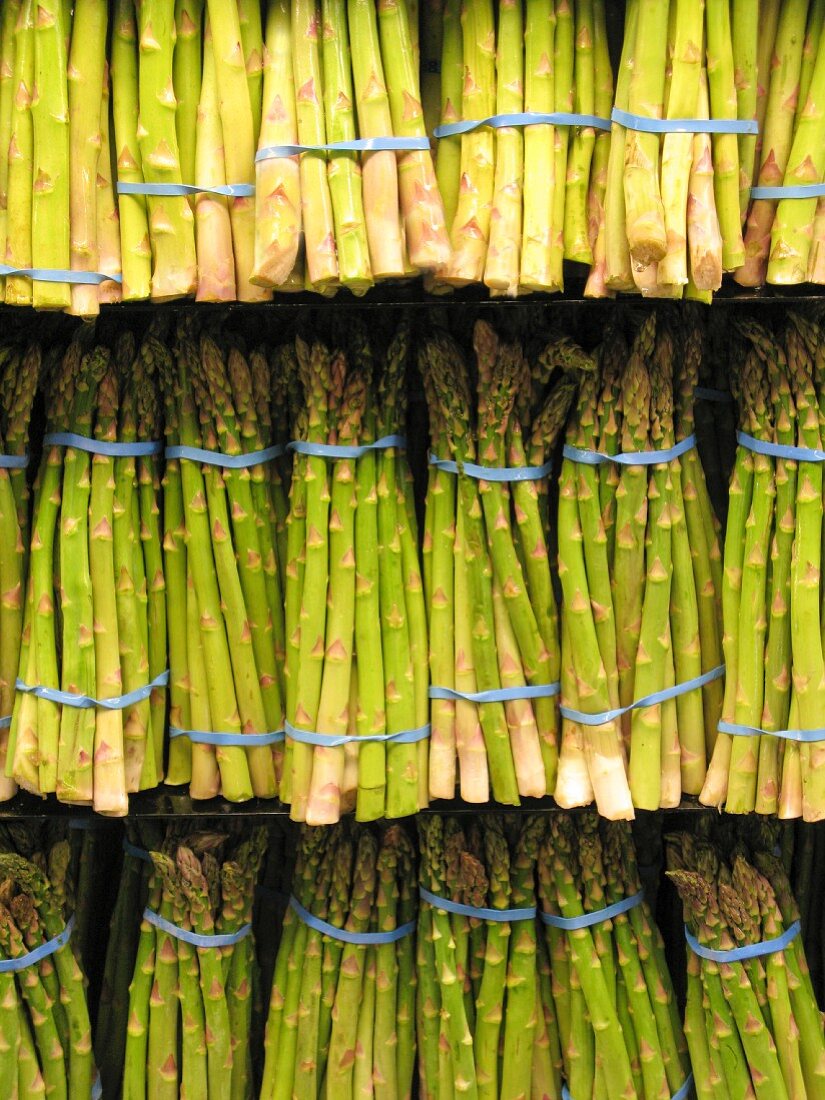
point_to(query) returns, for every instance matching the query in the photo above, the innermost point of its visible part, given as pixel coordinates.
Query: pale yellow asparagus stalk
(745, 16)
(618, 273)
(596, 286)
(539, 146)
(249, 16)
(213, 229)
(564, 80)
(577, 244)
(108, 223)
(723, 105)
(19, 219)
(11, 12)
(85, 77)
(768, 23)
(432, 46)
(448, 153)
(187, 68)
(704, 237)
(379, 170)
(277, 179)
(503, 255)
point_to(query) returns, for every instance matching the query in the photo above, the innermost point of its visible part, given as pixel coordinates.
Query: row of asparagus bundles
(752, 1022)
(770, 753)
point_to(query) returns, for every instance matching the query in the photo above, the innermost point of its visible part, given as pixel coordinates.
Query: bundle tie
(39, 953)
(214, 737)
(630, 458)
(333, 740)
(86, 702)
(500, 916)
(357, 145)
(522, 118)
(218, 458)
(197, 939)
(359, 938)
(14, 462)
(748, 950)
(5, 721)
(684, 125)
(587, 920)
(497, 695)
(59, 275)
(491, 473)
(163, 190)
(790, 191)
(345, 450)
(101, 446)
(779, 450)
(709, 393)
(138, 853)
(652, 700)
(682, 1093)
(803, 737)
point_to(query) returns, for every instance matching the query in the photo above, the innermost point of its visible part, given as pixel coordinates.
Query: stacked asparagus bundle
(493, 618)
(608, 1003)
(751, 1020)
(47, 1041)
(772, 614)
(190, 1003)
(19, 372)
(342, 1013)
(356, 628)
(640, 573)
(95, 552)
(226, 652)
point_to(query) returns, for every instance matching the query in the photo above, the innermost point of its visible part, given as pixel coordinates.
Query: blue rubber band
(5, 721)
(748, 951)
(332, 740)
(197, 939)
(587, 920)
(8, 966)
(497, 695)
(242, 740)
(229, 190)
(803, 737)
(139, 853)
(651, 700)
(684, 125)
(342, 450)
(97, 1088)
(218, 458)
(522, 118)
(682, 1093)
(59, 275)
(86, 702)
(718, 397)
(364, 938)
(14, 462)
(779, 450)
(631, 458)
(790, 191)
(100, 446)
(501, 916)
(358, 145)
(491, 473)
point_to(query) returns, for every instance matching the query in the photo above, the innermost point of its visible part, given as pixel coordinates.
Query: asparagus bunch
(356, 628)
(95, 555)
(493, 618)
(752, 1024)
(342, 1015)
(606, 995)
(772, 594)
(190, 1007)
(640, 573)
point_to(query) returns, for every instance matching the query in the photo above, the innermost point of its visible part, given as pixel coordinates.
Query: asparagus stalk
(18, 233)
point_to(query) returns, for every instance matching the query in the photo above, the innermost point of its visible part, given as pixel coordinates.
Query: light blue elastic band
(42, 952)
(86, 702)
(707, 393)
(342, 450)
(791, 191)
(522, 118)
(59, 275)
(749, 951)
(682, 1093)
(501, 916)
(587, 920)
(365, 938)
(197, 939)
(132, 850)
(100, 446)
(491, 473)
(779, 450)
(651, 700)
(358, 145)
(14, 462)
(332, 741)
(228, 462)
(5, 721)
(243, 740)
(497, 695)
(97, 1088)
(229, 190)
(630, 458)
(684, 125)
(804, 737)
